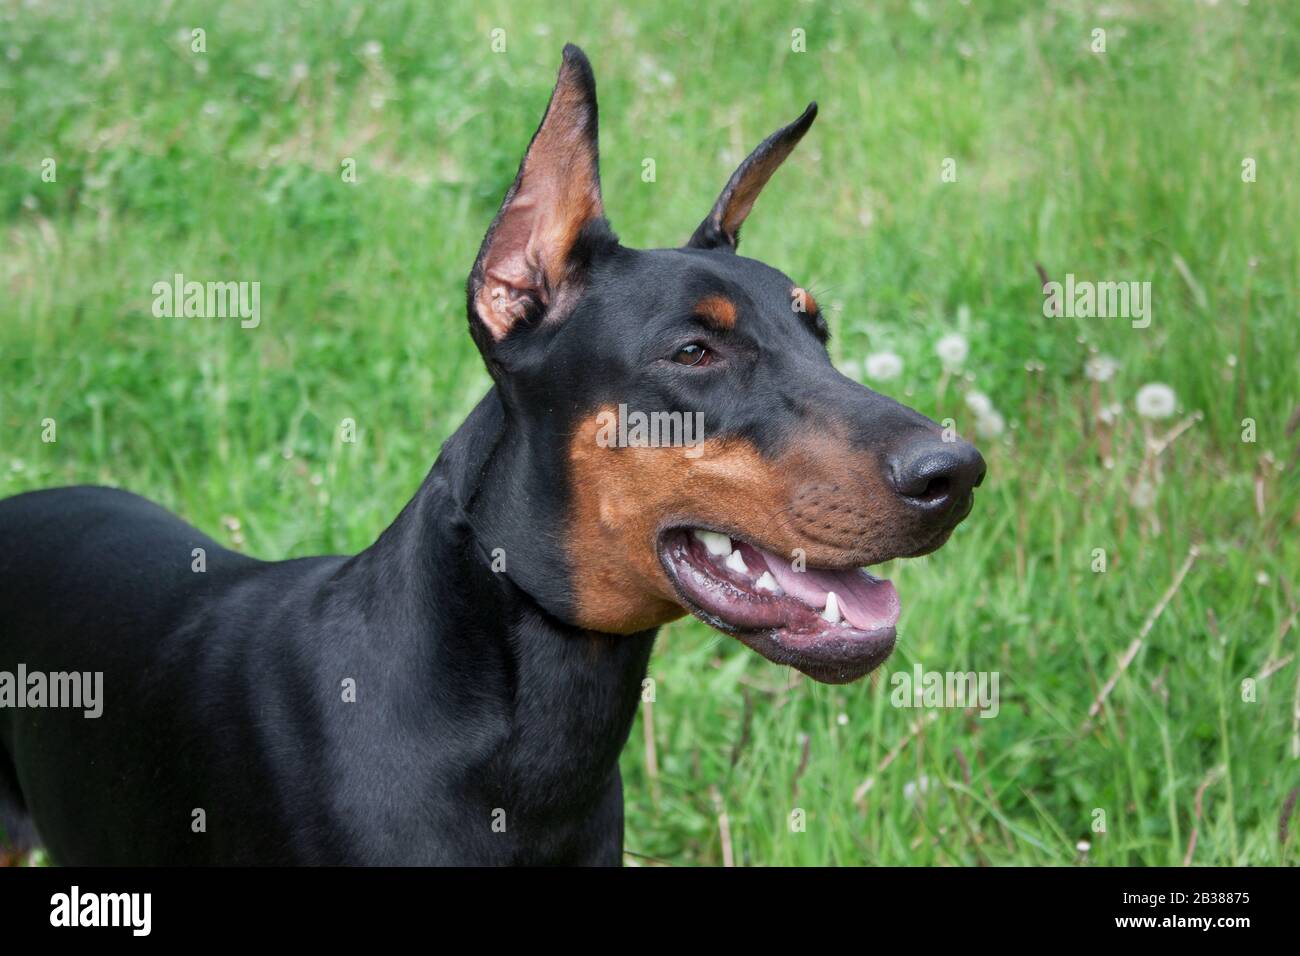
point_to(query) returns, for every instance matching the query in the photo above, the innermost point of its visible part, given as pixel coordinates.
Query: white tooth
(717, 544)
(832, 612)
(766, 582)
(737, 563)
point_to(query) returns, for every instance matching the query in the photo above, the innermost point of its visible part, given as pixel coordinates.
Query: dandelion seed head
(1156, 400)
(952, 350)
(1101, 368)
(883, 366)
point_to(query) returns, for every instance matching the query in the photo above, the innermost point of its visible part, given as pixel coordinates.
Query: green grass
(1114, 166)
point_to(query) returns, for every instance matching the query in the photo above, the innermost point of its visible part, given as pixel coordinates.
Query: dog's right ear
(533, 261)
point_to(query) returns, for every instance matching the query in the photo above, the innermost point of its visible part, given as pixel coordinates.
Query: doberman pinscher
(459, 692)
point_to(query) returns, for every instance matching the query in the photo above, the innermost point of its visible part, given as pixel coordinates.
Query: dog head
(684, 443)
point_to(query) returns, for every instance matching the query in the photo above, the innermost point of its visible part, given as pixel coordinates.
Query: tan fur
(799, 294)
(743, 197)
(817, 495)
(558, 194)
(718, 311)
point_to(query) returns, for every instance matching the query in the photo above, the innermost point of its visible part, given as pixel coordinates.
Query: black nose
(932, 475)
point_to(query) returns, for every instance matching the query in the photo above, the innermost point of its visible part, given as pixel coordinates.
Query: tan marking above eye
(801, 300)
(718, 311)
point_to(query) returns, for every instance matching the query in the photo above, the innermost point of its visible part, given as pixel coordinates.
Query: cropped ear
(533, 259)
(721, 228)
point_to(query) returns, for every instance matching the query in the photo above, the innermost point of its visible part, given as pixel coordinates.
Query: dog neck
(549, 705)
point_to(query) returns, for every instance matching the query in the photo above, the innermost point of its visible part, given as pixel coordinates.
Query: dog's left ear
(533, 259)
(721, 228)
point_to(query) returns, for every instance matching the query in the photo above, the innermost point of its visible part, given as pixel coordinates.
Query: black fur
(223, 691)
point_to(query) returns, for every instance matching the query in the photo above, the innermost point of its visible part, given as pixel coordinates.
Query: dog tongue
(867, 603)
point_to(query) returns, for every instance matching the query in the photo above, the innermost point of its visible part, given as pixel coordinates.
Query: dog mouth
(833, 625)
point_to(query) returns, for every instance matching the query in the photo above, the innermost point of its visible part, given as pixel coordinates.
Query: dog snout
(936, 477)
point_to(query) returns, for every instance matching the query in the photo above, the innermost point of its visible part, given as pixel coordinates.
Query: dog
(459, 692)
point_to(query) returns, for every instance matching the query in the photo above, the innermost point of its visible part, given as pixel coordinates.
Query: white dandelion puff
(1155, 400)
(1101, 368)
(990, 425)
(952, 350)
(1109, 414)
(979, 403)
(883, 366)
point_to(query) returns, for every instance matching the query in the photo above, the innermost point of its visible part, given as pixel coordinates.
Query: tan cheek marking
(718, 310)
(623, 497)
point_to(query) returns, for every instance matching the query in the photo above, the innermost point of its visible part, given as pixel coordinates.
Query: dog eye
(693, 354)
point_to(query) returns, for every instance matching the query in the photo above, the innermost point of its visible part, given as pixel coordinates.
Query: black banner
(336, 904)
